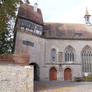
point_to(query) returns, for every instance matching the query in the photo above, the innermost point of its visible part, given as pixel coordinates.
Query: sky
(64, 11)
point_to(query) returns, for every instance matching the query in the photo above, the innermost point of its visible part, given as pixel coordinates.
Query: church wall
(36, 52)
(41, 54)
(45, 70)
(60, 46)
(76, 71)
(39, 50)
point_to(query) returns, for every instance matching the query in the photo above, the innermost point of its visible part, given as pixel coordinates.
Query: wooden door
(53, 74)
(67, 74)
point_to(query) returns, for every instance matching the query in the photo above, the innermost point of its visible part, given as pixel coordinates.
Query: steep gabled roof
(27, 11)
(68, 31)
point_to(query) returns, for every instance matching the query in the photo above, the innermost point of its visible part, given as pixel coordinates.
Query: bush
(88, 78)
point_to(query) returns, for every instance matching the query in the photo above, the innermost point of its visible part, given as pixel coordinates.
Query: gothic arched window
(87, 59)
(69, 54)
(53, 54)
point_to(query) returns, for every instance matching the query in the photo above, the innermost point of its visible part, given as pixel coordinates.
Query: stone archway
(53, 74)
(67, 74)
(36, 71)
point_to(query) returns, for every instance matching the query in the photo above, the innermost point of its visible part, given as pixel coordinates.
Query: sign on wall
(28, 43)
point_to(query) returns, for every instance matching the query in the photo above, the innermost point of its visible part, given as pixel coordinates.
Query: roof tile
(27, 11)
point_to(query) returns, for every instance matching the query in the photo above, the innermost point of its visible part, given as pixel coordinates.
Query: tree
(8, 10)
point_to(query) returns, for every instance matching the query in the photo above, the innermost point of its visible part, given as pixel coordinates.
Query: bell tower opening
(87, 17)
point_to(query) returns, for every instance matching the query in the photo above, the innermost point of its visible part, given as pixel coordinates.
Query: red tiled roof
(27, 12)
(68, 31)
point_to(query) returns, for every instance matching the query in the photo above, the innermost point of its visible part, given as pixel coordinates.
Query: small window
(53, 54)
(22, 24)
(28, 25)
(32, 26)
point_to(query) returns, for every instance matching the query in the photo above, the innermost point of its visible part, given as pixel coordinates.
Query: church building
(58, 51)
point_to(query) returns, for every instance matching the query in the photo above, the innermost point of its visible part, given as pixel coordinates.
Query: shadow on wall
(36, 71)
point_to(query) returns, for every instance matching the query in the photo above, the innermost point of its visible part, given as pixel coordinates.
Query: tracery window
(53, 54)
(69, 54)
(87, 59)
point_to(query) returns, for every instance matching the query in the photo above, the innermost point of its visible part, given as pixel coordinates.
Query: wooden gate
(53, 74)
(68, 74)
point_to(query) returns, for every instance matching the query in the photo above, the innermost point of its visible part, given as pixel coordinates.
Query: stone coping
(14, 59)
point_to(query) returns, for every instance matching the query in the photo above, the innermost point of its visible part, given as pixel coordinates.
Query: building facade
(58, 51)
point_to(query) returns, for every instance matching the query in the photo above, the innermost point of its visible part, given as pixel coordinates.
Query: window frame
(69, 55)
(53, 56)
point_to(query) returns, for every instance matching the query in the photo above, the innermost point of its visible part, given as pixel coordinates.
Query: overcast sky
(64, 11)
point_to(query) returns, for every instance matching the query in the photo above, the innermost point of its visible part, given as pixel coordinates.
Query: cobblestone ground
(63, 87)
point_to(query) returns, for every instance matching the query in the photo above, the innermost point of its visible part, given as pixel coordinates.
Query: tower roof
(27, 11)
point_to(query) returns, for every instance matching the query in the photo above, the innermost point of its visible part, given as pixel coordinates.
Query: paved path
(63, 86)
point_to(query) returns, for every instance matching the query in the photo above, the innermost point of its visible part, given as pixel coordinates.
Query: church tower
(87, 17)
(29, 26)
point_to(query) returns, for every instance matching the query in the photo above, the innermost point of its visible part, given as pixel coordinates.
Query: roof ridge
(63, 23)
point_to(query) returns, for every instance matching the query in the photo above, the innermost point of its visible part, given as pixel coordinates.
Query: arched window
(53, 54)
(69, 54)
(87, 59)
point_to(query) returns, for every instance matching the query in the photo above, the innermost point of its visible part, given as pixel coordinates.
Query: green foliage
(88, 78)
(8, 10)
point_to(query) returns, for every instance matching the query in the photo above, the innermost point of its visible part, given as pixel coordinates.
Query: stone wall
(60, 46)
(36, 52)
(15, 78)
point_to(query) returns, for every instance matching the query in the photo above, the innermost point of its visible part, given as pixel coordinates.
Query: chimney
(35, 7)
